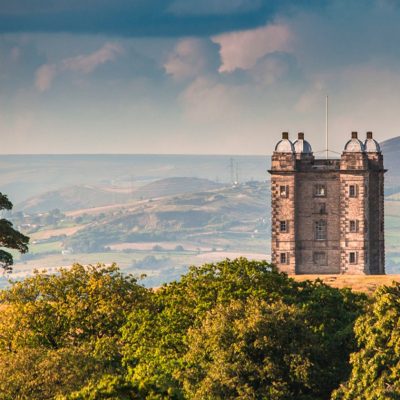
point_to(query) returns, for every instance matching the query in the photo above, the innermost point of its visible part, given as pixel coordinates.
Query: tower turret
(283, 167)
(375, 193)
(303, 148)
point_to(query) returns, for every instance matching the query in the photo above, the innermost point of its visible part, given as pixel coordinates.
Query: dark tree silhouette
(9, 237)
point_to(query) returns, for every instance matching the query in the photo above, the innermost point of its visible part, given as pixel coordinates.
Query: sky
(195, 77)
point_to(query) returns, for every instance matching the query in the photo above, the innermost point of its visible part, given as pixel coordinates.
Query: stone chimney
(301, 136)
(354, 135)
(285, 135)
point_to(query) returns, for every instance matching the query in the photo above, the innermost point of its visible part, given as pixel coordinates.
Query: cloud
(274, 67)
(268, 71)
(85, 64)
(191, 58)
(243, 49)
(208, 100)
(44, 77)
(139, 18)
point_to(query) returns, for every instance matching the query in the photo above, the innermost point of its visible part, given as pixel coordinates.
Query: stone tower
(328, 214)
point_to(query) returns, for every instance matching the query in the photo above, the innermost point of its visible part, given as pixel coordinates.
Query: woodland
(236, 329)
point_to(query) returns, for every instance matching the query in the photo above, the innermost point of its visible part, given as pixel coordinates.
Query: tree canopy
(158, 339)
(376, 366)
(236, 329)
(10, 238)
(58, 331)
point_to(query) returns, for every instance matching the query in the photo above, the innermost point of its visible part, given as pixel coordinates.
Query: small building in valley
(328, 214)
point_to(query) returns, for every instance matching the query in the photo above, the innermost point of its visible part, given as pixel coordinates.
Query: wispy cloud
(87, 63)
(84, 64)
(206, 100)
(242, 49)
(191, 58)
(44, 77)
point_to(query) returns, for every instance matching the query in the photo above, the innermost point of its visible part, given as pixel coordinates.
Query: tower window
(320, 230)
(283, 226)
(353, 226)
(353, 257)
(320, 208)
(284, 258)
(284, 191)
(319, 258)
(353, 190)
(320, 190)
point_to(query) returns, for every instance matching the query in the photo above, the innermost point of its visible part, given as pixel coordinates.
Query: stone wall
(354, 240)
(310, 210)
(283, 209)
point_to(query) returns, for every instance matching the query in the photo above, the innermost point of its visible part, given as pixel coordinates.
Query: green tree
(9, 237)
(156, 339)
(59, 331)
(234, 329)
(376, 366)
(251, 350)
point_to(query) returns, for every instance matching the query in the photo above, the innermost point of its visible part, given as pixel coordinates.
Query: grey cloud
(142, 18)
(84, 63)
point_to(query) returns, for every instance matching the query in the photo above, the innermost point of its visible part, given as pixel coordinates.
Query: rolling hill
(85, 196)
(25, 176)
(207, 216)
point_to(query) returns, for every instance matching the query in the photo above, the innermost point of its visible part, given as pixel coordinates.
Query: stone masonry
(328, 214)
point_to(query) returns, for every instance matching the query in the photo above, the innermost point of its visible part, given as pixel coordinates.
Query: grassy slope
(360, 283)
(197, 218)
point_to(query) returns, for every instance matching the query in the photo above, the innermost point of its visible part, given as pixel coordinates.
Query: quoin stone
(328, 214)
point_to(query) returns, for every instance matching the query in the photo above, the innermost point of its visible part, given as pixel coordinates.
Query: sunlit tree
(376, 366)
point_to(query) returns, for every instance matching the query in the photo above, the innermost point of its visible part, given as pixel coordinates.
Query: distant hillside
(216, 213)
(391, 151)
(71, 198)
(391, 146)
(174, 186)
(25, 176)
(85, 196)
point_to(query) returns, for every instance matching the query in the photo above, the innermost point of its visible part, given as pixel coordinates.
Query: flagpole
(326, 127)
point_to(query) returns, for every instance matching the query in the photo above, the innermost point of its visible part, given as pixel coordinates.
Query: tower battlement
(328, 214)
